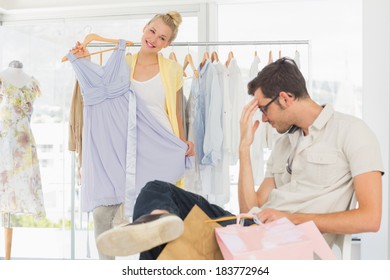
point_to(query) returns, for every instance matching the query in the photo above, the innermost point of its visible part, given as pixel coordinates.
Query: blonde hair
(173, 19)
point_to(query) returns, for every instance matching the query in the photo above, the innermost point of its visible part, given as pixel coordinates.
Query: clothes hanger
(206, 56)
(188, 61)
(214, 56)
(172, 56)
(230, 57)
(95, 37)
(270, 58)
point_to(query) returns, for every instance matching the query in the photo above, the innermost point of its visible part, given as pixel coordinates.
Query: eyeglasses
(264, 108)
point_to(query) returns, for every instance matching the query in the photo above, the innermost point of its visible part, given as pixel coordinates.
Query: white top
(238, 98)
(15, 76)
(151, 92)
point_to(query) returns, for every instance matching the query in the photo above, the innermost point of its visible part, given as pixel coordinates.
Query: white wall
(376, 104)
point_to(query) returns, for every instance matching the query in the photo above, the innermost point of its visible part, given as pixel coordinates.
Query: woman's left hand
(191, 150)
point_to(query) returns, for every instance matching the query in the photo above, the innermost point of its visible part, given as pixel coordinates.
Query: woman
(148, 63)
(157, 81)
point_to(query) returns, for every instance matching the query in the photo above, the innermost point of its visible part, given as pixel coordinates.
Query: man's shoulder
(348, 121)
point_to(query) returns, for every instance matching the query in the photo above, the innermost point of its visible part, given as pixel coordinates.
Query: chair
(344, 241)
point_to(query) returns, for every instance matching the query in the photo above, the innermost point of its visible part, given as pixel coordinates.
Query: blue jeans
(165, 196)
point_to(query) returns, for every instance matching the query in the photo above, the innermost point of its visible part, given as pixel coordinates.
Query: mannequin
(21, 181)
(7, 235)
(15, 75)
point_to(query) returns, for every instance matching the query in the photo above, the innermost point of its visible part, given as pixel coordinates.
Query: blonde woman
(157, 83)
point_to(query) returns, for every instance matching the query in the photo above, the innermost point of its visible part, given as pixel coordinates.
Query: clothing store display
(20, 178)
(206, 111)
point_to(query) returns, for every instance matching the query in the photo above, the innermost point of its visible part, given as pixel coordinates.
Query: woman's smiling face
(156, 36)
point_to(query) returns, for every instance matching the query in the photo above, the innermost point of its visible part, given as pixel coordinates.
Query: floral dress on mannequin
(20, 179)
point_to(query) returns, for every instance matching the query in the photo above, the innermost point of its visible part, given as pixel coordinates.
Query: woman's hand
(80, 51)
(191, 150)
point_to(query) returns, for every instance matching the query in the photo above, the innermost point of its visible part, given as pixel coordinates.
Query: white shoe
(147, 232)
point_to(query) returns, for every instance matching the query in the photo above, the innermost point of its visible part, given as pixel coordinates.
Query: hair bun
(176, 17)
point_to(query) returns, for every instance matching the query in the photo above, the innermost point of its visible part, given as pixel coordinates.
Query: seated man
(322, 158)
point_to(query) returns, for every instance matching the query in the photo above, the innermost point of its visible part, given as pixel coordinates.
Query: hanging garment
(76, 123)
(207, 130)
(238, 98)
(20, 178)
(208, 117)
(105, 92)
(220, 174)
(257, 151)
(254, 68)
(297, 58)
(192, 175)
(124, 146)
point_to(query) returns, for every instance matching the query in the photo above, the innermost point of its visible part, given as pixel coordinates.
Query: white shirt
(238, 96)
(151, 92)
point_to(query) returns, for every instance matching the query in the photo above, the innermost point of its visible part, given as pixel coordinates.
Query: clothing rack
(178, 44)
(217, 43)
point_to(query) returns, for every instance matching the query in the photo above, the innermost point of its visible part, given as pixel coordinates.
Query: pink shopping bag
(280, 239)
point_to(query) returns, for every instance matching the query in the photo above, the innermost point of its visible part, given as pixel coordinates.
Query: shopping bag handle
(239, 218)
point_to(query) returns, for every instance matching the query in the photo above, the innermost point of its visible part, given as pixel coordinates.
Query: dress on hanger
(115, 121)
(20, 178)
(105, 92)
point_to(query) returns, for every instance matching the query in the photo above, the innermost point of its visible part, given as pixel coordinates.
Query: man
(323, 158)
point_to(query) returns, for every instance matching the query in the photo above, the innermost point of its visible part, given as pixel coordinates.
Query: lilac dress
(105, 92)
(124, 146)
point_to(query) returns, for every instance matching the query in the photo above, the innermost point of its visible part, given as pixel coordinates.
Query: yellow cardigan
(172, 78)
